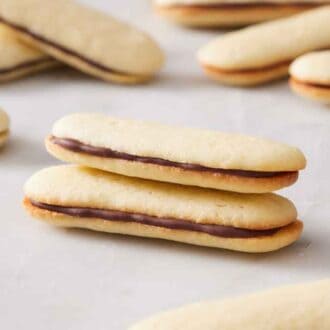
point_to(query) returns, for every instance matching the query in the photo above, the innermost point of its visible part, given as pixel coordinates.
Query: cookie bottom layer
(227, 16)
(174, 174)
(26, 70)
(247, 77)
(3, 138)
(73, 59)
(320, 93)
(283, 237)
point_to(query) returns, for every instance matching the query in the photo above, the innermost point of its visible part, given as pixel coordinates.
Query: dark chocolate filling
(62, 49)
(170, 223)
(25, 65)
(77, 146)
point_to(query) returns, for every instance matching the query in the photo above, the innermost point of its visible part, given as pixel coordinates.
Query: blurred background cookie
(88, 40)
(262, 53)
(302, 306)
(310, 76)
(229, 13)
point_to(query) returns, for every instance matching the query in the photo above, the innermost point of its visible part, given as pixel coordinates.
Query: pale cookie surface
(4, 127)
(249, 49)
(298, 307)
(87, 190)
(312, 68)
(83, 37)
(186, 145)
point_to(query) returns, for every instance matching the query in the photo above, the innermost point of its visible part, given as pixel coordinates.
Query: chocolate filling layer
(77, 146)
(170, 223)
(62, 49)
(26, 65)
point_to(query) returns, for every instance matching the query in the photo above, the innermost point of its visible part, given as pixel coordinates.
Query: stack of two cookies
(107, 190)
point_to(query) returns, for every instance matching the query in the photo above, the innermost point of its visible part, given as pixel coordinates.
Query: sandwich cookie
(296, 307)
(4, 128)
(175, 154)
(17, 59)
(86, 39)
(310, 76)
(73, 196)
(229, 13)
(263, 52)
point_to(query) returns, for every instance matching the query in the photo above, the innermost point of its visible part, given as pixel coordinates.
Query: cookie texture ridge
(244, 57)
(84, 38)
(175, 154)
(275, 309)
(73, 196)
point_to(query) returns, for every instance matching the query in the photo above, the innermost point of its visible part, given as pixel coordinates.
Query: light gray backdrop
(70, 279)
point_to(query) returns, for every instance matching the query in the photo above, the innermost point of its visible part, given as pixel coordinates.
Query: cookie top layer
(84, 187)
(233, 2)
(178, 144)
(13, 52)
(87, 32)
(312, 68)
(269, 43)
(273, 309)
(4, 121)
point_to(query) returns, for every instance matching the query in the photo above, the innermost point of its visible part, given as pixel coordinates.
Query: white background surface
(72, 279)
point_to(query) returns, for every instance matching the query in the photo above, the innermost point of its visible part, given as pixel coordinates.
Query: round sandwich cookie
(295, 307)
(73, 196)
(229, 13)
(84, 38)
(181, 155)
(17, 59)
(4, 128)
(310, 76)
(264, 52)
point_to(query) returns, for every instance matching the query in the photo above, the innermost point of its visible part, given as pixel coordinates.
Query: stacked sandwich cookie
(107, 188)
(84, 38)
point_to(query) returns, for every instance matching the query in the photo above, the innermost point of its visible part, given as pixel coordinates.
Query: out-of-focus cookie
(310, 76)
(73, 196)
(229, 13)
(84, 38)
(181, 155)
(263, 52)
(17, 59)
(4, 127)
(304, 306)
